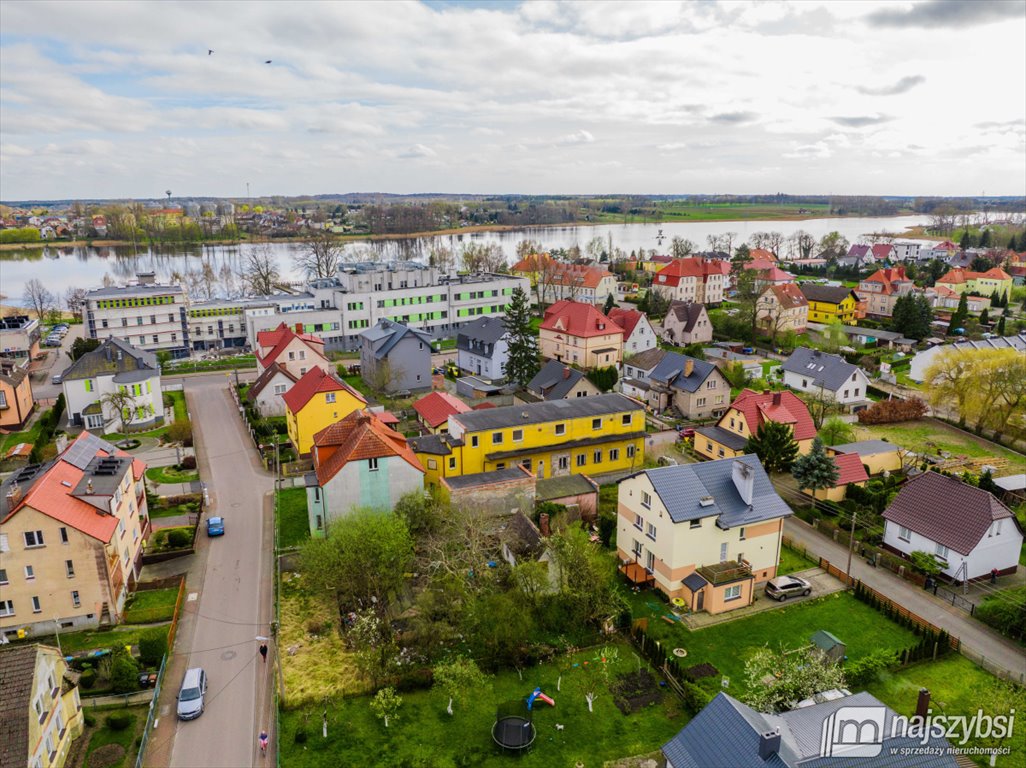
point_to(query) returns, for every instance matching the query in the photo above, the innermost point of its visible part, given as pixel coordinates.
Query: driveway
(228, 599)
(977, 639)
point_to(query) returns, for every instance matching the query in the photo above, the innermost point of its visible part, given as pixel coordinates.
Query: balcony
(727, 571)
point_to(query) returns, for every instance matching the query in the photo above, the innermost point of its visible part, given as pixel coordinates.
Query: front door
(701, 601)
(540, 474)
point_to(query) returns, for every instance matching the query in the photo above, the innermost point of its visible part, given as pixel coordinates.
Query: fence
(154, 703)
(693, 697)
(172, 631)
(998, 671)
(957, 600)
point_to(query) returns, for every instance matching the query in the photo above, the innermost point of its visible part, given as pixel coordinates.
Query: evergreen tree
(774, 444)
(1022, 241)
(966, 241)
(610, 303)
(986, 239)
(995, 300)
(522, 353)
(1001, 326)
(1011, 243)
(984, 317)
(960, 315)
(912, 316)
(815, 470)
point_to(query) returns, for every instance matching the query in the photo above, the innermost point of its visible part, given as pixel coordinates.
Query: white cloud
(580, 136)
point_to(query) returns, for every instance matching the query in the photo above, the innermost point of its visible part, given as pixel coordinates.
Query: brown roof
(17, 672)
(269, 373)
(646, 360)
(11, 374)
(946, 511)
(687, 312)
(789, 295)
(359, 436)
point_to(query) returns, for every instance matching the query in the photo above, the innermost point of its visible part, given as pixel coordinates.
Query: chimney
(744, 480)
(13, 495)
(923, 703)
(543, 524)
(769, 744)
(61, 443)
(776, 398)
(689, 367)
(566, 372)
(89, 485)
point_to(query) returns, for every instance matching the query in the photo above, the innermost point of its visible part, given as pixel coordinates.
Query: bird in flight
(210, 52)
(267, 62)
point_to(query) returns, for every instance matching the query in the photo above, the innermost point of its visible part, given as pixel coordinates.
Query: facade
(266, 393)
(827, 303)
(316, 401)
(19, 337)
(558, 280)
(585, 435)
(909, 250)
(744, 417)
(40, 711)
(557, 381)
(114, 367)
(687, 323)
(707, 533)
(295, 351)
(394, 357)
(573, 332)
(148, 316)
(942, 297)
(692, 279)
(825, 375)
(781, 307)
(71, 534)
(969, 531)
(882, 288)
(982, 283)
(224, 323)
(695, 388)
(434, 409)
(482, 347)
(358, 462)
(637, 330)
(16, 401)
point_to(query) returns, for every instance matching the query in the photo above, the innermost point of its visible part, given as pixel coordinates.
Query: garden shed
(834, 649)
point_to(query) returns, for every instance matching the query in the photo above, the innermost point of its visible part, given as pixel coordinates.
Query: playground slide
(537, 694)
(546, 699)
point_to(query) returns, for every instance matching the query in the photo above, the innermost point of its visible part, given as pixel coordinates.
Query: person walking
(263, 651)
(263, 742)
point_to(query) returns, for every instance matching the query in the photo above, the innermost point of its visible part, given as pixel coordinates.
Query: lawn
(957, 687)
(425, 735)
(150, 606)
(159, 540)
(927, 435)
(769, 366)
(357, 383)
(30, 435)
(727, 646)
(240, 362)
(792, 561)
(185, 508)
(93, 639)
(445, 344)
(181, 409)
(101, 736)
(169, 475)
(292, 521)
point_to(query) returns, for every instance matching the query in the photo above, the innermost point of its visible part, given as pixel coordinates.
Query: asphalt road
(232, 604)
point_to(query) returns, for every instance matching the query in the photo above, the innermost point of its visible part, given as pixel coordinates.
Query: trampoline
(513, 730)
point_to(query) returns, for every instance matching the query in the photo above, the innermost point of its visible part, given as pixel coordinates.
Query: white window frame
(904, 534)
(733, 592)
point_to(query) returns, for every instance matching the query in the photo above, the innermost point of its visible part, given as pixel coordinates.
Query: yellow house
(876, 456)
(15, 396)
(749, 410)
(588, 435)
(828, 303)
(849, 472)
(982, 283)
(40, 712)
(316, 401)
(578, 333)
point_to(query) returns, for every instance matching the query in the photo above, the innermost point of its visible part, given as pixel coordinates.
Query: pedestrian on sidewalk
(263, 651)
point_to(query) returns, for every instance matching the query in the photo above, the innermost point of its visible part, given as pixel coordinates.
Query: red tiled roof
(280, 338)
(627, 319)
(387, 417)
(785, 407)
(483, 406)
(887, 278)
(849, 469)
(561, 273)
(359, 436)
(313, 381)
(692, 266)
(771, 273)
(959, 275)
(576, 319)
(946, 511)
(883, 251)
(533, 262)
(436, 408)
(789, 295)
(761, 254)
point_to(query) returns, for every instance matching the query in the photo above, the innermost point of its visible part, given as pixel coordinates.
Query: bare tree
(208, 279)
(775, 243)
(75, 298)
(121, 403)
(681, 247)
(803, 243)
(108, 281)
(227, 277)
(595, 248)
(527, 248)
(38, 297)
(321, 257)
(477, 257)
(260, 272)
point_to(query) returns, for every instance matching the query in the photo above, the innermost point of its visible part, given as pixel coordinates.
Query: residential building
(707, 533)
(910, 250)
(266, 393)
(943, 251)
(558, 381)
(721, 354)
(695, 388)
(358, 462)
(924, 358)
(762, 254)
(148, 316)
(827, 303)
(884, 252)
(781, 307)
(19, 337)
(882, 288)
(859, 255)
(987, 283)
(394, 357)
(687, 323)
(585, 435)
(40, 710)
(16, 403)
(295, 351)
(434, 409)
(969, 531)
(114, 388)
(504, 494)
(768, 273)
(942, 297)
(730, 734)
(573, 332)
(316, 401)
(71, 534)
(638, 334)
(575, 282)
(876, 456)
(693, 279)
(482, 347)
(826, 376)
(746, 414)
(849, 472)
(637, 371)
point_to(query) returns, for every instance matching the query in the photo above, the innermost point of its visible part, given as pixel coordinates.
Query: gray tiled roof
(563, 486)
(694, 581)
(104, 360)
(553, 410)
(723, 437)
(440, 445)
(486, 329)
(494, 477)
(686, 312)
(670, 371)
(827, 371)
(555, 380)
(386, 334)
(865, 447)
(826, 293)
(17, 673)
(680, 488)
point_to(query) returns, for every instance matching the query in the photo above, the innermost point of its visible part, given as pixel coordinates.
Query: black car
(784, 587)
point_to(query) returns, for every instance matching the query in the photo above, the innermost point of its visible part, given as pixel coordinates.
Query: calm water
(61, 268)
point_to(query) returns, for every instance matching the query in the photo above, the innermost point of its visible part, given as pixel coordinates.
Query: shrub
(88, 679)
(1005, 611)
(180, 432)
(178, 539)
(153, 646)
(120, 721)
(603, 378)
(89, 719)
(300, 736)
(891, 411)
(124, 674)
(861, 671)
(189, 462)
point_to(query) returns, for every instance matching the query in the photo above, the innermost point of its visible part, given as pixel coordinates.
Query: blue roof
(694, 581)
(670, 371)
(386, 334)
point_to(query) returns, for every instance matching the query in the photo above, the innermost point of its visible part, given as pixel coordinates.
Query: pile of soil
(635, 690)
(108, 754)
(699, 671)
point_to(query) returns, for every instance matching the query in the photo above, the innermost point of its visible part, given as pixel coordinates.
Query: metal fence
(154, 704)
(982, 661)
(957, 600)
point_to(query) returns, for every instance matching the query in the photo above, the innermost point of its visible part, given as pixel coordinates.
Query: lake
(63, 267)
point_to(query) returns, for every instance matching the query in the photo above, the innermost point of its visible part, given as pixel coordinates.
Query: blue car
(215, 526)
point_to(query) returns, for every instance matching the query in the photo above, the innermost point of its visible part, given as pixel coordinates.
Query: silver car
(190, 697)
(784, 587)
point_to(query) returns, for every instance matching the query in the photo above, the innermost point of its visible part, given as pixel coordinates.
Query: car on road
(687, 433)
(215, 526)
(190, 697)
(783, 587)
(57, 378)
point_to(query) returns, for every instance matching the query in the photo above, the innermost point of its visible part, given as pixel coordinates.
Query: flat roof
(552, 410)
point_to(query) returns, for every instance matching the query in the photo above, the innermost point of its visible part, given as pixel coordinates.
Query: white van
(190, 697)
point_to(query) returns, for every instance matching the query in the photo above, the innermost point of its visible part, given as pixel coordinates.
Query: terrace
(725, 572)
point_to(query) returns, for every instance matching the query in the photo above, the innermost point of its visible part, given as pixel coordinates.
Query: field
(292, 521)
(151, 605)
(681, 210)
(929, 435)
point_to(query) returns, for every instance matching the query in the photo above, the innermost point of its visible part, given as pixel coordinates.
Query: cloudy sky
(122, 99)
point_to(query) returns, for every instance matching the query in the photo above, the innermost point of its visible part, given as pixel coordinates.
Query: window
(473, 441)
(496, 438)
(33, 539)
(69, 567)
(596, 423)
(732, 592)
(650, 531)
(636, 549)
(156, 338)
(3, 576)
(6, 608)
(904, 533)
(630, 451)
(3, 543)
(701, 402)
(432, 464)
(626, 419)
(597, 457)
(614, 454)
(646, 500)
(76, 601)
(741, 533)
(649, 561)
(563, 462)
(518, 435)
(846, 393)
(857, 391)
(561, 429)
(452, 462)
(942, 551)
(121, 527)
(501, 465)
(36, 607)
(64, 535)
(723, 552)
(30, 573)
(280, 389)
(582, 459)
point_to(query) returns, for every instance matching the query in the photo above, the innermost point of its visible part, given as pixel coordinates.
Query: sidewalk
(976, 638)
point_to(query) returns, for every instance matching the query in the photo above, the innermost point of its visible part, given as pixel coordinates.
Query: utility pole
(851, 548)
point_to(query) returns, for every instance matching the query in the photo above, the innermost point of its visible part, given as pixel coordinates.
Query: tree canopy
(774, 444)
(522, 352)
(912, 316)
(815, 471)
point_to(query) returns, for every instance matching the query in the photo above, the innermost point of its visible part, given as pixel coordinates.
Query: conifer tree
(815, 470)
(961, 314)
(774, 444)
(522, 353)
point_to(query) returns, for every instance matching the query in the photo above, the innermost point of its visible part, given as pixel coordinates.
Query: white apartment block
(148, 316)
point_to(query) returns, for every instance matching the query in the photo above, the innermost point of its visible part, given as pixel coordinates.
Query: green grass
(180, 406)
(357, 383)
(159, 543)
(240, 362)
(728, 645)
(792, 561)
(957, 687)
(102, 736)
(188, 508)
(769, 366)
(30, 435)
(93, 639)
(441, 344)
(425, 735)
(168, 475)
(681, 210)
(927, 436)
(292, 521)
(151, 606)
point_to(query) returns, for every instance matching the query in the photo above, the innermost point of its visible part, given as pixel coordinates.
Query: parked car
(784, 587)
(52, 341)
(190, 697)
(687, 433)
(747, 350)
(56, 378)
(215, 526)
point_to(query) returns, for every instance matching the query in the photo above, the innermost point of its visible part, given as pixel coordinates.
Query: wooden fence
(173, 629)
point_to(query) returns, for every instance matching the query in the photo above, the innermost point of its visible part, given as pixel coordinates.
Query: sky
(129, 99)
